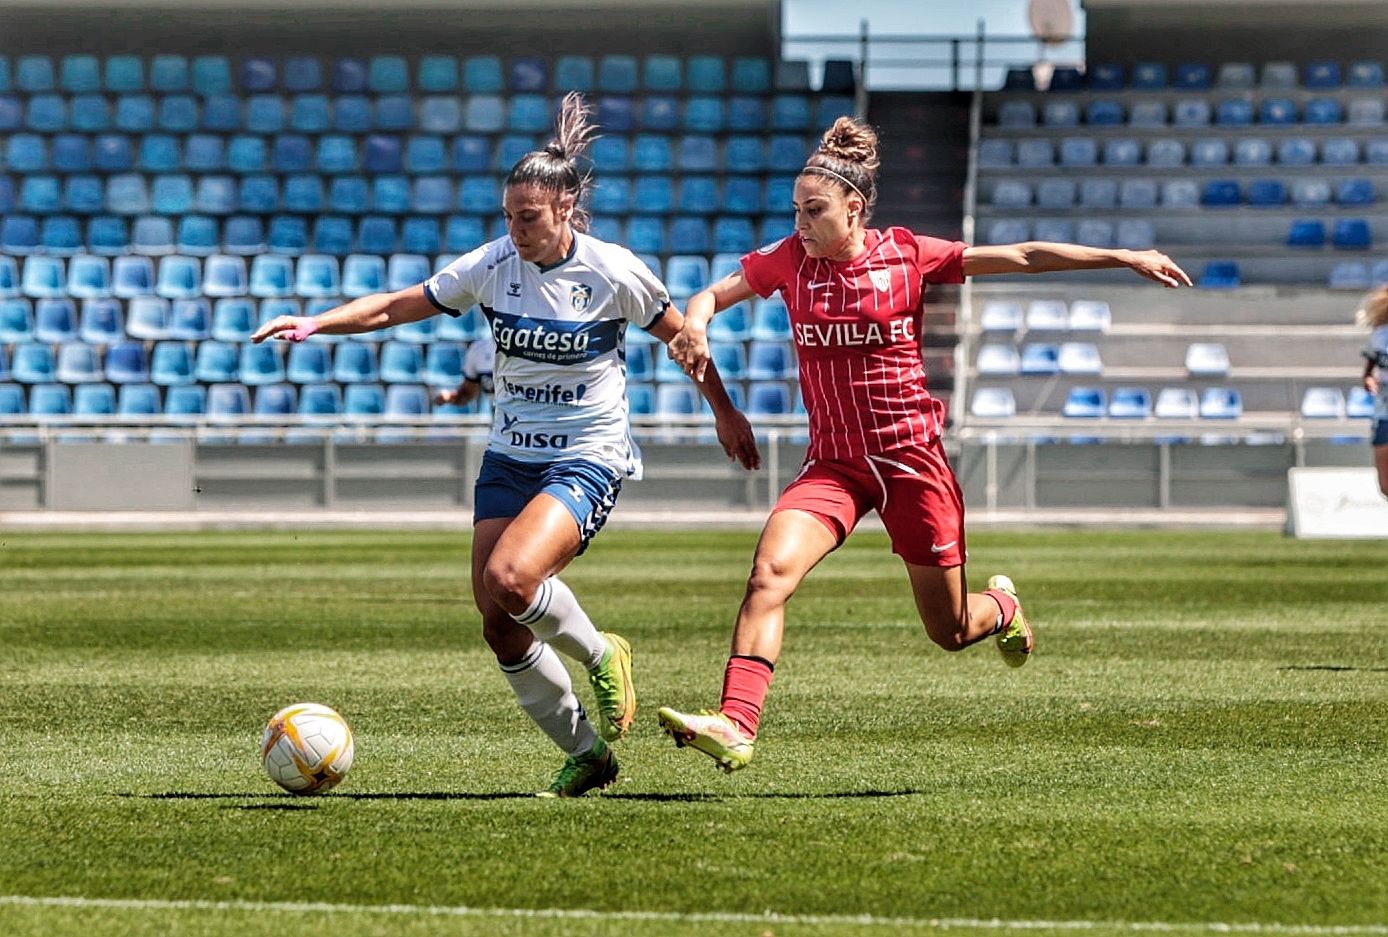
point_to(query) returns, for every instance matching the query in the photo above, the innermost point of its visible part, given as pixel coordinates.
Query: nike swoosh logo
(942, 547)
(819, 286)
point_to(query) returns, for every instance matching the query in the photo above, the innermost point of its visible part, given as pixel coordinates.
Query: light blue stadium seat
(100, 323)
(1355, 191)
(388, 74)
(1095, 232)
(243, 235)
(790, 112)
(1191, 113)
(1306, 232)
(316, 276)
(348, 195)
(404, 400)
(1008, 231)
(16, 321)
(1211, 151)
(640, 399)
(1234, 112)
(770, 361)
(443, 364)
(86, 195)
(992, 153)
(1364, 74)
(363, 274)
(1122, 151)
(1056, 193)
(731, 325)
(171, 364)
(89, 277)
(79, 74)
(698, 195)
(320, 400)
(1040, 358)
(352, 113)
(275, 400)
(1084, 403)
(730, 235)
(71, 153)
(286, 235)
(1221, 403)
(355, 363)
(686, 275)
(221, 113)
(32, 363)
(308, 363)
(420, 236)
(1035, 153)
(1063, 114)
(138, 400)
(1252, 151)
(40, 195)
(178, 113)
(647, 236)
(1136, 234)
(703, 114)
(1323, 403)
(363, 399)
(1323, 111)
(77, 363)
(1339, 151)
(132, 276)
(26, 153)
(233, 320)
(612, 195)
(479, 195)
(190, 319)
(484, 113)
(18, 235)
(640, 361)
(262, 364)
(127, 194)
(49, 400)
(993, 403)
(462, 233)
(179, 277)
(183, 401)
(1054, 229)
(1147, 114)
(1359, 405)
(215, 195)
(1350, 275)
(406, 270)
(1098, 193)
(676, 400)
(482, 74)
(44, 277)
(228, 400)
(1311, 193)
(1207, 359)
(333, 235)
(998, 359)
(34, 73)
(272, 276)
(769, 398)
(46, 113)
(9, 279)
(126, 363)
(247, 154)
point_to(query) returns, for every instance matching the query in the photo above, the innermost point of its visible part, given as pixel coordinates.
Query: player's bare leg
(955, 618)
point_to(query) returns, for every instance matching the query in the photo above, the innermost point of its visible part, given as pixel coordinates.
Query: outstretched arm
(367, 314)
(1051, 257)
(734, 432)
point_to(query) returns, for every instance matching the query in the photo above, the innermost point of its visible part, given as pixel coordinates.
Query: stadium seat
(171, 364)
(686, 275)
(1219, 193)
(1209, 152)
(1130, 403)
(993, 403)
(1147, 114)
(1350, 275)
(1221, 403)
(1040, 358)
(320, 400)
(1306, 232)
(355, 363)
(181, 401)
(731, 325)
(1084, 403)
(78, 362)
(1266, 193)
(260, 364)
(1207, 359)
(89, 277)
(138, 400)
(215, 362)
(271, 275)
(16, 321)
(1177, 403)
(1079, 358)
(996, 359)
(126, 363)
(1122, 151)
(1310, 193)
(1359, 404)
(1323, 403)
(44, 277)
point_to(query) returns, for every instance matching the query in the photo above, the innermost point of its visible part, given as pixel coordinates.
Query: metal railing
(928, 62)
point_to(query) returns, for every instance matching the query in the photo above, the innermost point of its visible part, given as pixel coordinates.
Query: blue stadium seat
(276, 400)
(1192, 76)
(333, 235)
(100, 323)
(89, 113)
(247, 154)
(394, 112)
(171, 364)
(612, 195)
(431, 195)
(698, 195)
(216, 362)
(750, 75)
(479, 195)
(221, 113)
(744, 154)
(27, 152)
(1267, 193)
(190, 319)
(1220, 403)
(770, 321)
(16, 321)
(1350, 275)
(233, 320)
(183, 401)
(420, 236)
(1016, 115)
(1366, 112)
(647, 236)
(320, 399)
(686, 275)
(363, 399)
(1084, 403)
(673, 400)
(659, 113)
(462, 233)
(425, 154)
(352, 114)
(1130, 403)
(652, 153)
(215, 195)
(316, 276)
(89, 277)
(348, 75)
(1220, 193)
(363, 274)
(401, 363)
(134, 113)
(388, 74)
(482, 74)
(1321, 75)
(178, 113)
(610, 154)
(573, 73)
(703, 114)
(348, 195)
(769, 361)
(9, 279)
(1098, 193)
(34, 73)
(1322, 111)
(126, 363)
(272, 276)
(258, 365)
(355, 363)
(18, 234)
(46, 113)
(49, 400)
(79, 74)
(32, 363)
(1352, 234)
(40, 195)
(138, 400)
(790, 112)
(437, 74)
(1306, 232)
(1149, 76)
(662, 73)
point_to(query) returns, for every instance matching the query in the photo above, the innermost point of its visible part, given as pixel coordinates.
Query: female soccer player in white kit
(1375, 380)
(559, 303)
(854, 294)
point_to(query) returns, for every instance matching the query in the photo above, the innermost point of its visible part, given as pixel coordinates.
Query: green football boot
(583, 773)
(1015, 642)
(710, 732)
(614, 689)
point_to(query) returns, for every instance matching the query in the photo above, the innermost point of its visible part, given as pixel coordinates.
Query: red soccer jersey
(857, 336)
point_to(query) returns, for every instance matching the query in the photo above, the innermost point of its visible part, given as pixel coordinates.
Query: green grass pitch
(1201, 741)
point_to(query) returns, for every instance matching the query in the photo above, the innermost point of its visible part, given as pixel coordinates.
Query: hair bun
(852, 141)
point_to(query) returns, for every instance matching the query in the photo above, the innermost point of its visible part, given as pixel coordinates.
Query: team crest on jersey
(580, 296)
(882, 279)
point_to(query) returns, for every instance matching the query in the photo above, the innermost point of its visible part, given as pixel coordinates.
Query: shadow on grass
(1334, 668)
(295, 802)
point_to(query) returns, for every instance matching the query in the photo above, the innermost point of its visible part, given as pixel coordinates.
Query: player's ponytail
(847, 156)
(555, 168)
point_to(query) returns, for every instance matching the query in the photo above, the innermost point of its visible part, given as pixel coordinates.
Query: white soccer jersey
(479, 362)
(1377, 352)
(560, 333)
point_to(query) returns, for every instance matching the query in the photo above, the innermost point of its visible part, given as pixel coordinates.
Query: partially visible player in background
(478, 362)
(1374, 313)
(854, 295)
(558, 302)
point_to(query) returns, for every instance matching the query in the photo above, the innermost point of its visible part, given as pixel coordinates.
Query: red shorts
(913, 490)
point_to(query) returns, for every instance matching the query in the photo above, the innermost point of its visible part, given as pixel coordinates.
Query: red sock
(745, 682)
(1007, 605)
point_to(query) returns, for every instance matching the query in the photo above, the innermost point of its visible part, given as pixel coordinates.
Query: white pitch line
(713, 917)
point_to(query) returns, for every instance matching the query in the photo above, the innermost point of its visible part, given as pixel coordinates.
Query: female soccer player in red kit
(854, 295)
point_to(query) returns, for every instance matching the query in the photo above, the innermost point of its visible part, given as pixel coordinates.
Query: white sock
(556, 618)
(543, 689)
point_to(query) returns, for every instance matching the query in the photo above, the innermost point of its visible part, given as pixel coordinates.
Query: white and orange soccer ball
(307, 748)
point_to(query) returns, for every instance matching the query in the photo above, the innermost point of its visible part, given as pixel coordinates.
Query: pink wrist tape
(304, 326)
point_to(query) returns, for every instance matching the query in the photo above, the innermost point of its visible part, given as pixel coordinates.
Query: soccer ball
(306, 748)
